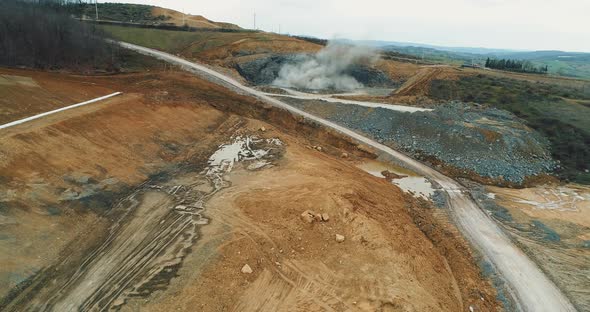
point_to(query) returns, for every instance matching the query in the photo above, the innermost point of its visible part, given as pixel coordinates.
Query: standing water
(409, 182)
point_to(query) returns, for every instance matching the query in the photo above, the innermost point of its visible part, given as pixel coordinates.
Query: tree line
(41, 34)
(515, 66)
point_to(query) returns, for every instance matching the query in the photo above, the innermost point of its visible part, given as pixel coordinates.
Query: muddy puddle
(409, 181)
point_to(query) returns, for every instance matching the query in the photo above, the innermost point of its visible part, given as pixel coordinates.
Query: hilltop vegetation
(515, 66)
(122, 12)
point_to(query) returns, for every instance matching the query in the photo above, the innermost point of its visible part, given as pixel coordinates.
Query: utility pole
(254, 20)
(279, 29)
(96, 8)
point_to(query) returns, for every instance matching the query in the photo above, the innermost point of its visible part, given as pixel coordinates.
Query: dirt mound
(197, 21)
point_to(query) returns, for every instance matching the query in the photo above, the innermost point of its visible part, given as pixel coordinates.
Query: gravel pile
(490, 142)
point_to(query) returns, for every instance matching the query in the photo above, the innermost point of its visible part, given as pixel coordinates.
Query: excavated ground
(107, 206)
(552, 224)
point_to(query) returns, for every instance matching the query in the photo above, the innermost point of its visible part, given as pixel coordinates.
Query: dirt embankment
(25, 93)
(74, 168)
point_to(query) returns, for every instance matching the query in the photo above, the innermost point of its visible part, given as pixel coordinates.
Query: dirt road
(532, 290)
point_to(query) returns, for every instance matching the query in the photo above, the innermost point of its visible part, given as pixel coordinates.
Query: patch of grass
(553, 110)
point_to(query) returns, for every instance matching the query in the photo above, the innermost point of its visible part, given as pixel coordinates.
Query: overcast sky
(511, 24)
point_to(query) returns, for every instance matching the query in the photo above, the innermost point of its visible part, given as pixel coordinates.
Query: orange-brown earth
(62, 176)
(385, 263)
(197, 21)
(25, 93)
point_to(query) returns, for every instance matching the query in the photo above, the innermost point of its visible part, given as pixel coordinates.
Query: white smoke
(326, 69)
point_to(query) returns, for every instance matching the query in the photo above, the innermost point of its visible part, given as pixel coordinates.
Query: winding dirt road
(531, 288)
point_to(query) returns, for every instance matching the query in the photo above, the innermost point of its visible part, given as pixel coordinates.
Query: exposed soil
(197, 21)
(299, 266)
(25, 93)
(552, 224)
(82, 167)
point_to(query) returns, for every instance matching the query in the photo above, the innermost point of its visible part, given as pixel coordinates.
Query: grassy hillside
(560, 113)
(178, 41)
(210, 44)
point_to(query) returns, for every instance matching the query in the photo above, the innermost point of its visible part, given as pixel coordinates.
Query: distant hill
(381, 43)
(144, 14)
(569, 64)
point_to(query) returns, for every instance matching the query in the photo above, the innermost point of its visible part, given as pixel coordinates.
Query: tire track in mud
(155, 229)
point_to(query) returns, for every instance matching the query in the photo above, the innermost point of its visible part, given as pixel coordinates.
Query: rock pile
(492, 143)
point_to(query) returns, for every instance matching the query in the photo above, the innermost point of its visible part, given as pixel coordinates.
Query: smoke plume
(326, 69)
